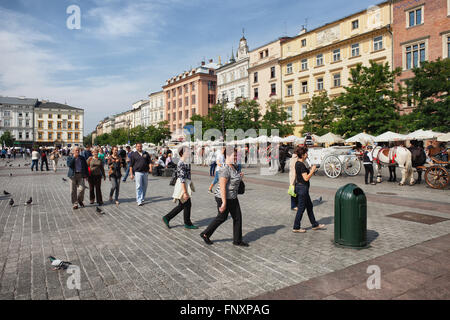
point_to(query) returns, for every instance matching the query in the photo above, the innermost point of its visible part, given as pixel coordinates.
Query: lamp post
(128, 131)
(224, 99)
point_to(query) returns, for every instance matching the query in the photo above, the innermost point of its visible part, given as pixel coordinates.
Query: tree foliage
(321, 113)
(430, 89)
(7, 139)
(152, 134)
(370, 103)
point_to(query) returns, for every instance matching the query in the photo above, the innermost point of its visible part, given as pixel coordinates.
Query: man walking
(44, 159)
(140, 165)
(35, 160)
(87, 153)
(78, 172)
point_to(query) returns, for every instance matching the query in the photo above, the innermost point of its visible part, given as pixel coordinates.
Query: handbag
(291, 191)
(241, 189)
(174, 178)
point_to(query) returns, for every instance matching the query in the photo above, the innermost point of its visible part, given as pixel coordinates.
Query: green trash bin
(350, 217)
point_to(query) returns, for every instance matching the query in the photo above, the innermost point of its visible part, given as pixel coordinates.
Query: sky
(127, 49)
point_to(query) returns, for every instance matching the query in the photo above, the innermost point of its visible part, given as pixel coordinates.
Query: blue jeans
(212, 168)
(141, 186)
(304, 202)
(127, 172)
(34, 163)
(216, 178)
(294, 202)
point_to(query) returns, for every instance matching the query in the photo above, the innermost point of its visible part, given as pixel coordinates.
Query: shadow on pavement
(261, 232)
(371, 236)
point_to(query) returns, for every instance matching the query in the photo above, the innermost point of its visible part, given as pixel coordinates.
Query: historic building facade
(232, 78)
(421, 33)
(154, 112)
(191, 92)
(58, 124)
(321, 59)
(265, 73)
(17, 117)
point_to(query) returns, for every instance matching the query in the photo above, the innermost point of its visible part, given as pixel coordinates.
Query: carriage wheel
(332, 167)
(437, 177)
(352, 166)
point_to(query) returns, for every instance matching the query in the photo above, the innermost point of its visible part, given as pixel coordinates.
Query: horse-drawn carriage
(334, 160)
(437, 174)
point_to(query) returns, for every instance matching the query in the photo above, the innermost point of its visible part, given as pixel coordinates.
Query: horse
(399, 155)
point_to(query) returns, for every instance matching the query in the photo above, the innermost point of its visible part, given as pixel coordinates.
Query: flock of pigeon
(11, 201)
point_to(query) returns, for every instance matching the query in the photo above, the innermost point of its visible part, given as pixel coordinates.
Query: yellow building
(321, 59)
(58, 124)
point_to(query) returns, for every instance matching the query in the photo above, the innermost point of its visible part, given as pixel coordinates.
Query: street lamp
(224, 99)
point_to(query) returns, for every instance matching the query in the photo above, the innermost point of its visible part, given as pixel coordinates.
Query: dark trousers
(44, 160)
(392, 174)
(180, 207)
(234, 209)
(369, 170)
(95, 183)
(282, 165)
(212, 168)
(294, 202)
(35, 163)
(115, 187)
(304, 202)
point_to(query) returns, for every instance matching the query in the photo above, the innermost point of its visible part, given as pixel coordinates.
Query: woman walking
(96, 173)
(303, 175)
(182, 191)
(227, 201)
(115, 162)
(54, 157)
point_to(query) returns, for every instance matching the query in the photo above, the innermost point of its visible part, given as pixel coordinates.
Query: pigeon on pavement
(29, 201)
(59, 264)
(6, 193)
(64, 180)
(11, 202)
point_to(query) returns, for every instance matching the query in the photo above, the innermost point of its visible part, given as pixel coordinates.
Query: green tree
(87, 140)
(430, 89)
(321, 113)
(276, 118)
(7, 139)
(370, 102)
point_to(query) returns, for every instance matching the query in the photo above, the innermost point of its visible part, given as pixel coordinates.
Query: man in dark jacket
(284, 153)
(44, 159)
(78, 172)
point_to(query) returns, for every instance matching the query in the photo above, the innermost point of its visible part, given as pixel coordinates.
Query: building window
(273, 89)
(355, 24)
(415, 54)
(289, 68)
(20, 113)
(337, 80)
(448, 44)
(255, 93)
(304, 108)
(243, 92)
(20, 134)
(211, 85)
(193, 99)
(336, 55)
(180, 90)
(255, 77)
(305, 64)
(59, 116)
(174, 104)
(319, 60)
(69, 136)
(50, 125)
(232, 95)
(303, 42)
(378, 43)
(50, 116)
(355, 50)
(69, 116)
(186, 101)
(289, 113)
(27, 135)
(304, 86)
(40, 135)
(168, 105)
(40, 116)
(58, 136)
(168, 117)
(69, 125)
(27, 123)
(76, 125)
(180, 102)
(320, 84)
(267, 52)
(185, 88)
(180, 115)
(50, 136)
(168, 94)
(261, 54)
(272, 72)
(289, 90)
(415, 17)
(77, 117)
(211, 99)
(161, 115)
(59, 125)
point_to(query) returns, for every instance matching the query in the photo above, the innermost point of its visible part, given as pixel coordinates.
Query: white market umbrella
(390, 136)
(290, 139)
(362, 138)
(423, 135)
(330, 138)
(444, 137)
(275, 139)
(262, 139)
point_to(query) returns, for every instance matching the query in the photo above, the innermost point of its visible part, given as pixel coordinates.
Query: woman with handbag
(96, 173)
(303, 175)
(294, 199)
(230, 181)
(115, 162)
(54, 157)
(182, 191)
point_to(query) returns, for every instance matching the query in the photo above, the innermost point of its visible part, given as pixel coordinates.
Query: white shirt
(35, 155)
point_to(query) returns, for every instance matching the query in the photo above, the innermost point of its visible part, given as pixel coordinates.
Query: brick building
(421, 33)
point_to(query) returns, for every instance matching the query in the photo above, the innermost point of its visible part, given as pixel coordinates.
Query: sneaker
(81, 204)
(373, 183)
(241, 244)
(210, 192)
(319, 227)
(298, 230)
(187, 226)
(294, 209)
(166, 222)
(140, 204)
(117, 202)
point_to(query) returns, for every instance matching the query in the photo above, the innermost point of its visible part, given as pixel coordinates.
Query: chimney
(302, 31)
(203, 63)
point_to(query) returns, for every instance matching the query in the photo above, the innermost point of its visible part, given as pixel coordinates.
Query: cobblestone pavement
(128, 253)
